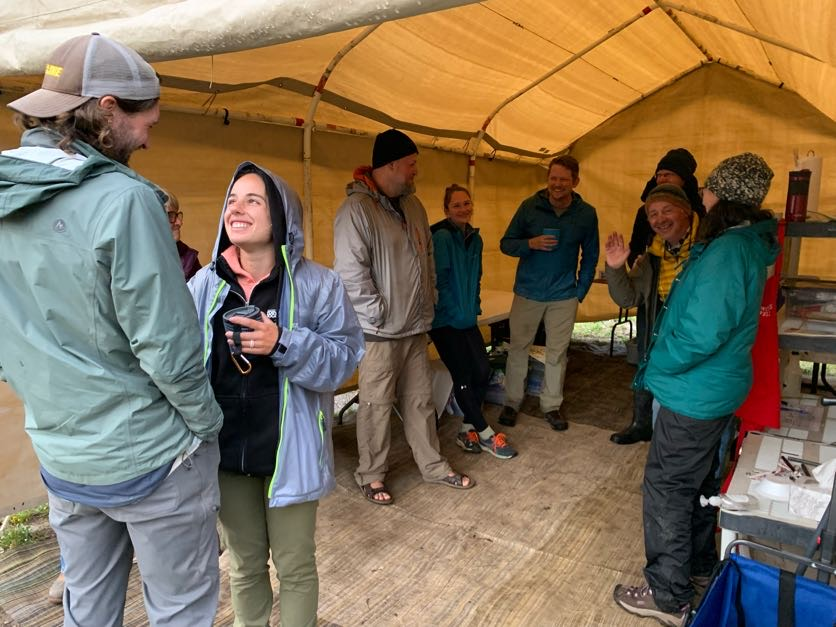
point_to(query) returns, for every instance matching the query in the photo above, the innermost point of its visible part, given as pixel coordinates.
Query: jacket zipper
(285, 386)
(321, 422)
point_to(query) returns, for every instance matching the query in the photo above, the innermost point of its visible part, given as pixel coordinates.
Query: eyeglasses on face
(173, 216)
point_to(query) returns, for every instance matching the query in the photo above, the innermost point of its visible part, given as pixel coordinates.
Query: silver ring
(252, 343)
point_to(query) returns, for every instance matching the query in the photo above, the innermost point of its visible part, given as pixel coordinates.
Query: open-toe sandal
(456, 481)
(369, 492)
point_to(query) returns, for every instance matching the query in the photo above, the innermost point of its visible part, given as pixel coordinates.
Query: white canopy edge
(180, 30)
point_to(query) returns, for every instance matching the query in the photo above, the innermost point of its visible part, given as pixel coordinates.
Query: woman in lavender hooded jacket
(274, 380)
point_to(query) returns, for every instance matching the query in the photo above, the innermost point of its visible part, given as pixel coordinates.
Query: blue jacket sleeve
(719, 287)
(515, 241)
(322, 353)
(589, 258)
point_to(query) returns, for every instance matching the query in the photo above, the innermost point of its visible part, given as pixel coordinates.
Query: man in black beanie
(383, 252)
(677, 168)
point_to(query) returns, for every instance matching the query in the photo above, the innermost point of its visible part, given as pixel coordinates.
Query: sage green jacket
(100, 335)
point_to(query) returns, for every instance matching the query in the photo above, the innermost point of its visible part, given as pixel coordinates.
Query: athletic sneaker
(498, 446)
(469, 441)
(639, 600)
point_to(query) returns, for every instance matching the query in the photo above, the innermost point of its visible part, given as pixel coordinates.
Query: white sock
(487, 433)
(466, 427)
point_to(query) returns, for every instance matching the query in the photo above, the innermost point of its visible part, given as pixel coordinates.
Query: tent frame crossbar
(568, 61)
(707, 17)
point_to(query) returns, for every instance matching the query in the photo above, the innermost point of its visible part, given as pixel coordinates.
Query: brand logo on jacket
(271, 313)
(59, 226)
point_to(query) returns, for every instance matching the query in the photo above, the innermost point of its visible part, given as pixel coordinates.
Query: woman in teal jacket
(457, 249)
(699, 368)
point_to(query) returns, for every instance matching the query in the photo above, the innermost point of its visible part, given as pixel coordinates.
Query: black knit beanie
(679, 161)
(390, 146)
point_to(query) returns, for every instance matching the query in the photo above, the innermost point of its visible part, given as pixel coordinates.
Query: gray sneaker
(639, 600)
(469, 441)
(498, 446)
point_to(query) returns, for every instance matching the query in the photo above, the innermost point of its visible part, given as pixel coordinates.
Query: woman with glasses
(280, 335)
(188, 256)
(457, 248)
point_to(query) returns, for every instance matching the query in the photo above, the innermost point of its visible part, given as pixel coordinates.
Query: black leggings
(463, 352)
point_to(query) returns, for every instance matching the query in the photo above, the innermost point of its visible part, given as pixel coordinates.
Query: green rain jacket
(100, 336)
(699, 361)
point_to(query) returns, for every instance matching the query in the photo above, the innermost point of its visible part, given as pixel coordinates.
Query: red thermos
(797, 191)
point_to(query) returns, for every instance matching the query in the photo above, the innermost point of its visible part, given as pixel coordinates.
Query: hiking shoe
(555, 420)
(55, 595)
(498, 446)
(468, 441)
(639, 600)
(508, 417)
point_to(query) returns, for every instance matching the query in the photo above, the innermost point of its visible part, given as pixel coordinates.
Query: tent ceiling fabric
(445, 74)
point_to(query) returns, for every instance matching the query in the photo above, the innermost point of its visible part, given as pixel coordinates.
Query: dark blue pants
(463, 352)
(678, 532)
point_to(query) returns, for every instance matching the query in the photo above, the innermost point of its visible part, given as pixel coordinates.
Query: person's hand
(542, 242)
(616, 250)
(261, 338)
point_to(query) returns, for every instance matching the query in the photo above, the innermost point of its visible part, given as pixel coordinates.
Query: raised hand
(616, 250)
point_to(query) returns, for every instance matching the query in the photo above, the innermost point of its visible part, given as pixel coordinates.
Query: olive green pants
(252, 533)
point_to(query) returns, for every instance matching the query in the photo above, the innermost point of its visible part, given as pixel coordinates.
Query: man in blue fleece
(550, 230)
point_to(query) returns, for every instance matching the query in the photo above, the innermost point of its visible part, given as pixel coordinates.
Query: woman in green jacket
(457, 249)
(699, 369)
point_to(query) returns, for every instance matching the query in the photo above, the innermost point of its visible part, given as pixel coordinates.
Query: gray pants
(172, 531)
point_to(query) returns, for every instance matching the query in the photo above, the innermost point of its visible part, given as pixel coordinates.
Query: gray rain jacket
(320, 346)
(386, 262)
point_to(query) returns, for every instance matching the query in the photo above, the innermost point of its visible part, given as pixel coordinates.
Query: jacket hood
(285, 213)
(363, 183)
(25, 182)
(766, 232)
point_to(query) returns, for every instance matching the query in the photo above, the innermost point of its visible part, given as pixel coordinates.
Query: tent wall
(714, 112)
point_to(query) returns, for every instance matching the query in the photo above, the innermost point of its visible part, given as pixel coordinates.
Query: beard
(121, 149)
(122, 143)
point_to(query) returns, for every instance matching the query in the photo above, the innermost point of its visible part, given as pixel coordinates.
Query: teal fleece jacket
(699, 361)
(100, 336)
(458, 272)
(547, 276)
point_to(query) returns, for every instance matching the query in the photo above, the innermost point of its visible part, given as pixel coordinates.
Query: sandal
(456, 481)
(369, 492)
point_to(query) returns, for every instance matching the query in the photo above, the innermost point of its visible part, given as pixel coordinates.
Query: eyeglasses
(173, 216)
